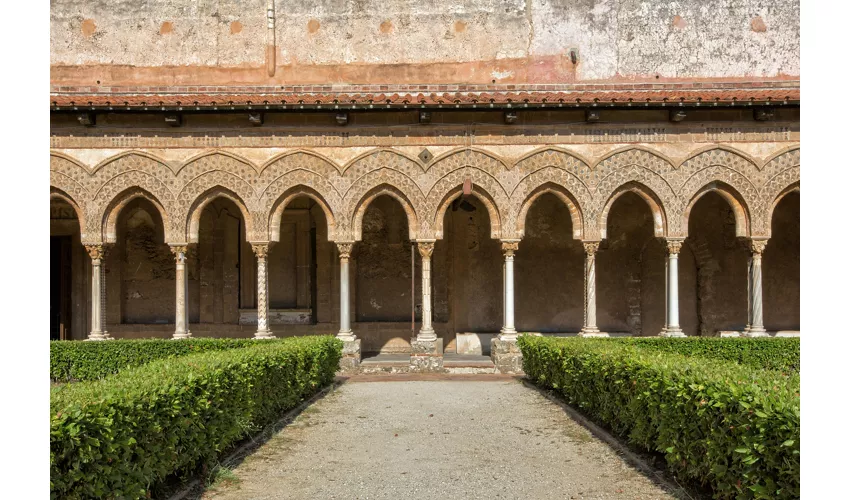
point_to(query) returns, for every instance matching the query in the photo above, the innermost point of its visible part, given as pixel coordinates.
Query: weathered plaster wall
(414, 41)
(781, 264)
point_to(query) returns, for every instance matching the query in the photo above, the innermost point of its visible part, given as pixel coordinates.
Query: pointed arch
(283, 163)
(232, 158)
(382, 158)
(561, 193)
(120, 201)
(739, 206)
(634, 155)
(474, 157)
(719, 150)
(483, 196)
(794, 187)
(196, 209)
(131, 153)
(59, 194)
(550, 156)
(380, 190)
(290, 194)
(659, 215)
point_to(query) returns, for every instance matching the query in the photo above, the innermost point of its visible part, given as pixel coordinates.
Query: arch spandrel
(546, 187)
(787, 181)
(284, 163)
(713, 158)
(550, 161)
(627, 157)
(226, 167)
(736, 188)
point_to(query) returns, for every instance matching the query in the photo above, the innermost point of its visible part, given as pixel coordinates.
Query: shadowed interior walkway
(436, 439)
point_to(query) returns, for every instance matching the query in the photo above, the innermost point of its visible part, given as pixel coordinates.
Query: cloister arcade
(387, 248)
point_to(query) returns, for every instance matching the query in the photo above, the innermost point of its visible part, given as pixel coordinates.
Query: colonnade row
(510, 249)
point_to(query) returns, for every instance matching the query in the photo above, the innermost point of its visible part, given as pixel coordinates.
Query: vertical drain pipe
(270, 41)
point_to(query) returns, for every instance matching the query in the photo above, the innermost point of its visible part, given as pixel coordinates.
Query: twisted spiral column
(590, 249)
(261, 250)
(756, 327)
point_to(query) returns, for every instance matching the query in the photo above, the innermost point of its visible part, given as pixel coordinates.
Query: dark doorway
(60, 287)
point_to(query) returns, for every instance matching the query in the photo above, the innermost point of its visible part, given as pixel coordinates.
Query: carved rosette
(426, 248)
(674, 247)
(509, 248)
(345, 250)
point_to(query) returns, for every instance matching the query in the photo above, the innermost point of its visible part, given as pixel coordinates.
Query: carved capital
(510, 247)
(757, 246)
(345, 250)
(674, 247)
(96, 252)
(590, 247)
(426, 248)
(179, 252)
(261, 250)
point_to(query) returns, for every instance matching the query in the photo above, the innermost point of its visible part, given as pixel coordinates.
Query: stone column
(351, 344)
(590, 329)
(426, 248)
(756, 327)
(508, 332)
(261, 250)
(97, 252)
(181, 318)
(672, 328)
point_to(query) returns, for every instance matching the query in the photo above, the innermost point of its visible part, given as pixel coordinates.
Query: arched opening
(549, 273)
(467, 278)
(630, 280)
(299, 269)
(781, 267)
(715, 284)
(384, 282)
(69, 269)
(140, 266)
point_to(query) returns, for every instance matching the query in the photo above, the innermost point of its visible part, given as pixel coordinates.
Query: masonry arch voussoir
(282, 201)
(192, 217)
(59, 194)
(214, 154)
(634, 155)
(561, 193)
(381, 190)
(656, 206)
(733, 197)
(775, 189)
(113, 208)
(287, 161)
(474, 157)
(130, 154)
(723, 149)
(382, 158)
(549, 156)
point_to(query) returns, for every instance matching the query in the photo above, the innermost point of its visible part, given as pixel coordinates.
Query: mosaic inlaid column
(756, 327)
(672, 327)
(97, 252)
(508, 331)
(345, 334)
(590, 249)
(181, 317)
(426, 248)
(261, 250)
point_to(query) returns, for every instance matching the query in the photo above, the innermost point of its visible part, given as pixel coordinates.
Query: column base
(263, 334)
(506, 356)
(99, 336)
(508, 334)
(426, 356)
(181, 335)
(428, 335)
(672, 332)
(346, 336)
(591, 331)
(350, 360)
(756, 332)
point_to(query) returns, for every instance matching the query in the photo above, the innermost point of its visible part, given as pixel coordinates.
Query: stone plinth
(426, 356)
(350, 360)
(506, 356)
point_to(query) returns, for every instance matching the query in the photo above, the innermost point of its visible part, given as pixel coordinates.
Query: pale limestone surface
(432, 439)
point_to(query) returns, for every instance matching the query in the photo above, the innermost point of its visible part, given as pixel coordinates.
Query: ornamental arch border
(483, 196)
(192, 219)
(119, 202)
(563, 194)
(656, 207)
(59, 194)
(770, 209)
(739, 206)
(280, 204)
(380, 190)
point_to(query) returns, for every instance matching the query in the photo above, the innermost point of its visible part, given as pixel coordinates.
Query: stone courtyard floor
(482, 437)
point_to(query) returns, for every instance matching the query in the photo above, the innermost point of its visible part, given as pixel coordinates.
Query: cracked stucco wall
(422, 41)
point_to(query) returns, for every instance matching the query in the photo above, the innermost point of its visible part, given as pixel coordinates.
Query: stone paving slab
(436, 439)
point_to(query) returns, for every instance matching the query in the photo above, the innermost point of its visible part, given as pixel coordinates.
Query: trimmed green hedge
(729, 427)
(75, 360)
(119, 437)
(768, 353)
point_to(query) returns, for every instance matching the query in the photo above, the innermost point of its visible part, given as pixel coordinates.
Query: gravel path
(435, 439)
